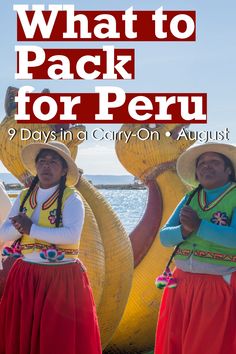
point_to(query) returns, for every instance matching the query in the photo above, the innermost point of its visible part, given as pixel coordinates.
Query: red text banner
(34, 63)
(112, 105)
(63, 23)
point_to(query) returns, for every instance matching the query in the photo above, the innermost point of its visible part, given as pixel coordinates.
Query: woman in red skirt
(197, 313)
(47, 305)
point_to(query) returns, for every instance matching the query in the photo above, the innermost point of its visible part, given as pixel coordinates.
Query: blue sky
(207, 65)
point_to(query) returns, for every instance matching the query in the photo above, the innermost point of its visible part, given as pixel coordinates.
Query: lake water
(128, 204)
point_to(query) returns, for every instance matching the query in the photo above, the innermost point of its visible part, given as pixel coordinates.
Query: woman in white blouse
(47, 305)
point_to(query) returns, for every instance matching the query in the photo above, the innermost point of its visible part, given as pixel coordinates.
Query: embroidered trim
(182, 252)
(27, 246)
(202, 198)
(51, 200)
(209, 255)
(53, 217)
(216, 256)
(40, 246)
(33, 197)
(220, 218)
(47, 204)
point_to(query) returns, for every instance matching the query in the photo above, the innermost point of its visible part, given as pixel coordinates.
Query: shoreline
(18, 186)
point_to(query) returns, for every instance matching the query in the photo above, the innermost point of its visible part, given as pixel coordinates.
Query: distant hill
(95, 179)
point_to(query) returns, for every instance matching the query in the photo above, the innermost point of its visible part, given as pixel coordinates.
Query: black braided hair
(191, 195)
(62, 187)
(31, 188)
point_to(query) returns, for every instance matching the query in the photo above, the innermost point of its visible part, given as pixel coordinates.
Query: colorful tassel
(172, 283)
(166, 279)
(7, 251)
(13, 251)
(17, 250)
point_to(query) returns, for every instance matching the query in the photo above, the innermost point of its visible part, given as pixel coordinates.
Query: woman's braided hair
(192, 194)
(30, 190)
(62, 187)
(190, 197)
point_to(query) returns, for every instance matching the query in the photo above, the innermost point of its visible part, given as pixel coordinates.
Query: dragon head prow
(11, 149)
(149, 146)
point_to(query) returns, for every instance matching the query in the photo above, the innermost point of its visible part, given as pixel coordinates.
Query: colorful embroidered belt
(207, 254)
(40, 246)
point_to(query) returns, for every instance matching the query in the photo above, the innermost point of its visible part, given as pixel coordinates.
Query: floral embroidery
(52, 254)
(220, 218)
(53, 216)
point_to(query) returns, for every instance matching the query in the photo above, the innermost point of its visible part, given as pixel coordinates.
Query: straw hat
(30, 152)
(186, 163)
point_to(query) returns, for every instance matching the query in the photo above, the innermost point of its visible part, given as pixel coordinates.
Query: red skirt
(198, 317)
(48, 309)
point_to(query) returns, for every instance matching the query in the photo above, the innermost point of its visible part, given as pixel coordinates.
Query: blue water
(128, 204)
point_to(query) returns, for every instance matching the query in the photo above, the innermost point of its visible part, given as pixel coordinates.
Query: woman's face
(211, 171)
(50, 168)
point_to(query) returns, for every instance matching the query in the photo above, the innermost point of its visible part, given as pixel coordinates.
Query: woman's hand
(189, 220)
(22, 223)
